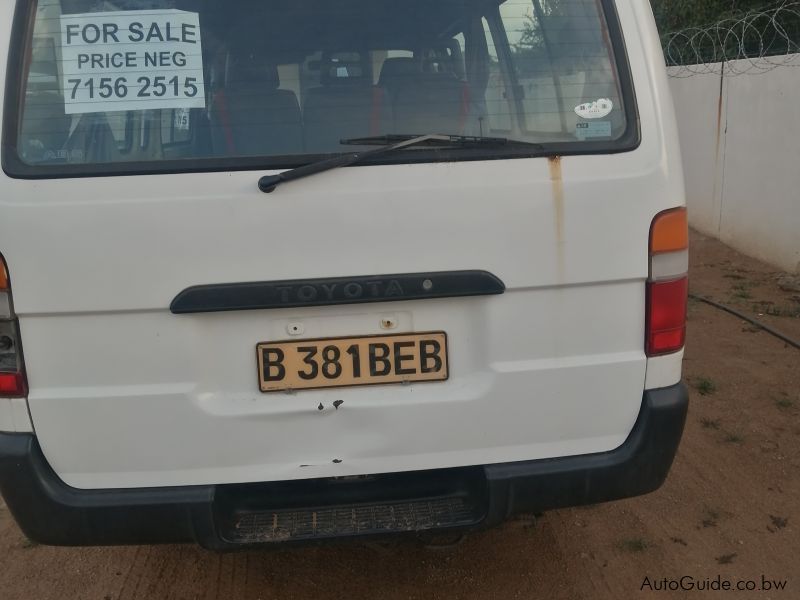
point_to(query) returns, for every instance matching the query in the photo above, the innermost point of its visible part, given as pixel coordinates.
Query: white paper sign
(131, 60)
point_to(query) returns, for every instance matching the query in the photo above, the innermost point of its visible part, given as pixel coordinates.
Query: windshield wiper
(439, 140)
(388, 144)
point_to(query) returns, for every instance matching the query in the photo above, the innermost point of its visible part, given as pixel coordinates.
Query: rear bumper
(228, 517)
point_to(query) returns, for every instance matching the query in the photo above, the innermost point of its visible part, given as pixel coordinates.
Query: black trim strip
(331, 291)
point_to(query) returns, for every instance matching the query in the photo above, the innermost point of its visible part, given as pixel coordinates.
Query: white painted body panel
(14, 415)
(125, 394)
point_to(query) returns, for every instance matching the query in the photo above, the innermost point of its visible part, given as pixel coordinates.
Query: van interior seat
(425, 102)
(397, 72)
(251, 116)
(346, 105)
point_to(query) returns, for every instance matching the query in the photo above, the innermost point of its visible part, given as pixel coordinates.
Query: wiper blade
(440, 140)
(388, 144)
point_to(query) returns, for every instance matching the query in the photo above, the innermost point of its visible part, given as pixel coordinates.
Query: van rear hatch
(473, 301)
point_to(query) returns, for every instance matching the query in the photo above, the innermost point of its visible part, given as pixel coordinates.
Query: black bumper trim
(638, 467)
(50, 512)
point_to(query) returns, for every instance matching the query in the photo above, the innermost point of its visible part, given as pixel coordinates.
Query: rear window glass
(154, 85)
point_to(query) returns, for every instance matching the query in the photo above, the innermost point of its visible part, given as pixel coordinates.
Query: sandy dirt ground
(731, 506)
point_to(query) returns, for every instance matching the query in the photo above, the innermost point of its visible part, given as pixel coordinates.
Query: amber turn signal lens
(670, 231)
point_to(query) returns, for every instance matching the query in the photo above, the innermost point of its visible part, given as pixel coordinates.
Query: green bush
(673, 15)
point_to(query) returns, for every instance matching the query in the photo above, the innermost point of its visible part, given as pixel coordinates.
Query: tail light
(12, 373)
(668, 285)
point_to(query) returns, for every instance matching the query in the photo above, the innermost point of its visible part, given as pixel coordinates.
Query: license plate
(352, 361)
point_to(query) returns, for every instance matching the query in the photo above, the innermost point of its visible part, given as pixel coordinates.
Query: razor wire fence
(751, 42)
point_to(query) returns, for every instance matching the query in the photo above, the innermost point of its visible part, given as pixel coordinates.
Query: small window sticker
(131, 60)
(587, 130)
(595, 110)
(182, 122)
(64, 155)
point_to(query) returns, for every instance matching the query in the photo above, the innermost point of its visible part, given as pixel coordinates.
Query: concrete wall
(740, 138)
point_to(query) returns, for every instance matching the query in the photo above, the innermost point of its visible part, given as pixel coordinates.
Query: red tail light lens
(12, 374)
(666, 316)
(12, 385)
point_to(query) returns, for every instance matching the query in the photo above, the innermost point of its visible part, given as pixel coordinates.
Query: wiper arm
(268, 183)
(388, 144)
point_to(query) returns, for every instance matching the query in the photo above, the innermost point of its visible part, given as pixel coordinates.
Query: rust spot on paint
(557, 184)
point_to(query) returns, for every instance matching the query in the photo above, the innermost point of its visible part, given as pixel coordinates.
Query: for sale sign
(131, 60)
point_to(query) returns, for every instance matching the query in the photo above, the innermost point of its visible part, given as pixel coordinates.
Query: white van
(283, 271)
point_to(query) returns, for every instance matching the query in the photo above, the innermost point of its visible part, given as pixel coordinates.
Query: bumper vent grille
(352, 520)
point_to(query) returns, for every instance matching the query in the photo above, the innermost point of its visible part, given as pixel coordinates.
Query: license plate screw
(427, 285)
(295, 329)
(388, 323)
